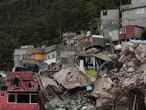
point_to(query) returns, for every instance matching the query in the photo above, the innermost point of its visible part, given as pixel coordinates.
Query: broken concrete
(117, 90)
(71, 78)
(48, 81)
(101, 86)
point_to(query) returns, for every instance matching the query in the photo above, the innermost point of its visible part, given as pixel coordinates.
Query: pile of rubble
(81, 102)
(120, 89)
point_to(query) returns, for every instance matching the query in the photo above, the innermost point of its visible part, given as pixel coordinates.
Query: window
(2, 94)
(12, 98)
(33, 98)
(53, 56)
(23, 98)
(122, 30)
(139, 21)
(105, 13)
(140, 11)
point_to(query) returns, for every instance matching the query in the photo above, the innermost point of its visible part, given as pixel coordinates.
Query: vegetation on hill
(39, 22)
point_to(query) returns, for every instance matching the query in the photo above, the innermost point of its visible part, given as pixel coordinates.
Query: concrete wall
(111, 14)
(106, 33)
(109, 19)
(109, 22)
(138, 32)
(136, 3)
(66, 54)
(134, 17)
(50, 55)
(63, 53)
(18, 60)
(25, 54)
(114, 35)
(50, 48)
(134, 14)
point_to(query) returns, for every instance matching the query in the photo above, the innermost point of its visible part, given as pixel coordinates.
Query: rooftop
(133, 5)
(24, 78)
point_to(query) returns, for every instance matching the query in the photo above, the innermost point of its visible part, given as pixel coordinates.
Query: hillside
(39, 22)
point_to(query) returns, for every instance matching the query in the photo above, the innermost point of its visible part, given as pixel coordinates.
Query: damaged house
(28, 58)
(59, 56)
(121, 88)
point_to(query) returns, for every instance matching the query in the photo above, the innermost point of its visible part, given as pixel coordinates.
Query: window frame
(23, 94)
(139, 11)
(31, 98)
(16, 98)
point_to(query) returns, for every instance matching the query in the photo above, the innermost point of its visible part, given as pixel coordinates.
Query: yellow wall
(39, 57)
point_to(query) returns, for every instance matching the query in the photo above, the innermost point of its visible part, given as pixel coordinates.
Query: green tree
(39, 21)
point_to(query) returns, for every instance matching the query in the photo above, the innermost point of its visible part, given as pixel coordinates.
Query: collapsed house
(70, 88)
(100, 81)
(66, 91)
(124, 90)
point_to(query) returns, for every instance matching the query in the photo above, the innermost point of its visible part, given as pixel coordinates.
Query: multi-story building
(53, 57)
(134, 13)
(109, 22)
(59, 56)
(28, 55)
